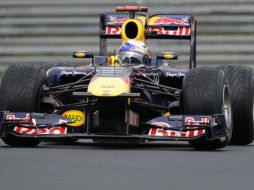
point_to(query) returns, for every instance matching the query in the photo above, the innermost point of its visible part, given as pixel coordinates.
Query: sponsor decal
(115, 20)
(113, 30)
(174, 74)
(107, 86)
(27, 119)
(181, 31)
(18, 119)
(41, 131)
(10, 117)
(75, 116)
(155, 132)
(161, 124)
(73, 73)
(168, 20)
(197, 121)
(121, 20)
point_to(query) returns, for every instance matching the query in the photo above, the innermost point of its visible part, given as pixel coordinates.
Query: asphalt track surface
(157, 166)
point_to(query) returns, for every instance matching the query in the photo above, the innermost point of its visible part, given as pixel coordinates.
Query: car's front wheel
(241, 85)
(206, 92)
(19, 91)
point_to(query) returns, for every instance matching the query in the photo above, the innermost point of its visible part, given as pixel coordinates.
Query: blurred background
(38, 31)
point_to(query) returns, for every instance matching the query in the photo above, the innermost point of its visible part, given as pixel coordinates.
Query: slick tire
(206, 91)
(241, 85)
(19, 91)
(47, 66)
(20, 88)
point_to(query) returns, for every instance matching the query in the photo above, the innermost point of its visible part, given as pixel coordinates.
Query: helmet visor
(130, 58)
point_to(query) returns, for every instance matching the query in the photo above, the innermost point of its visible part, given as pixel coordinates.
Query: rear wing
(158, 26)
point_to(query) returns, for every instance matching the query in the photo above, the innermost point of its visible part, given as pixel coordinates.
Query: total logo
(107, 86)
(76, 116)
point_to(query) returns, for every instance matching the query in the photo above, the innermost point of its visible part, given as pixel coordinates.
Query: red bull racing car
(132, 96)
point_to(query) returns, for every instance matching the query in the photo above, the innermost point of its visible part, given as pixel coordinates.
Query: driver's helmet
(133, 52)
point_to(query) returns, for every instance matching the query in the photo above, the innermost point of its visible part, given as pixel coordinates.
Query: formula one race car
(132, 96)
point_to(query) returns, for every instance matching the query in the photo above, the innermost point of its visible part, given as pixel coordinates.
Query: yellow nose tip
(108, 86)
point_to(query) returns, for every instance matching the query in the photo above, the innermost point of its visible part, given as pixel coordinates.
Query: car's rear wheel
(240, 81)
(205, 92)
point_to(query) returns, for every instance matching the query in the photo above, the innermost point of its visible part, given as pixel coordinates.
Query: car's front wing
(164, 128)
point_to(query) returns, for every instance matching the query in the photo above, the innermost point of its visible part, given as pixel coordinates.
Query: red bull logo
(115, 20)
(168, 20)
(121, 20)
(113, 30)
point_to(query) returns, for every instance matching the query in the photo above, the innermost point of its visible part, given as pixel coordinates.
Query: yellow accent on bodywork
(75, 116)
(80, 54)
(151, 20)
(112, 60)
(169, 56)
(166, 114)
(108, 86)
(141, 30)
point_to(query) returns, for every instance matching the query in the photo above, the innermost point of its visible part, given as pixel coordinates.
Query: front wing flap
(32, 123)
(188, 127)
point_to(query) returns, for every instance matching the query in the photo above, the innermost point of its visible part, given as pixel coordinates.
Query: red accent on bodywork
(113, 30)
(41, 131)
(187, 30)
(126, 80)
(191, 133)
(172, 133)
(180, 30)
(115, 20)
(153, 132)
(183, 134)
(200, 132)
(131, 8)
(93, 79)
(18, 129)
(168, 20)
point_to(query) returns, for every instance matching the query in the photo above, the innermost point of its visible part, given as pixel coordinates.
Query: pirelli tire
(206, 91)
(19, 91)
(241, 85)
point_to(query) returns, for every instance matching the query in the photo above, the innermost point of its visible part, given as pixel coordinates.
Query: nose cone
(109, 86)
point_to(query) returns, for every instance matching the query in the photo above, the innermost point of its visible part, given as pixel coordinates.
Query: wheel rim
(253, 108)
(227, 110)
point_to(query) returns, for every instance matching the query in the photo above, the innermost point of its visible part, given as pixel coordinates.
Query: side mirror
(83, 54)
(167, 55)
